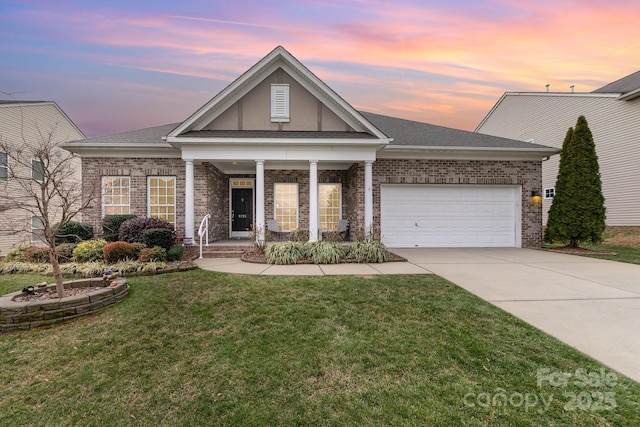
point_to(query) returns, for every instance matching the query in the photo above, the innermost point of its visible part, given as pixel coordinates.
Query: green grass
(202, 348)
(620, 253)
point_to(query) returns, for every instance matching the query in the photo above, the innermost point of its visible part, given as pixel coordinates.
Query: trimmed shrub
(37, 254)
(156, 253)
(137, 248)
(333, 236)
(132, 229)
(284, 253)
(175, 253)
(300, 235)
(111, 225)
(89, 251)
(117, 251)
(74, 232)
(65, 251)
(17, 254)
(322, 252)
(368, 251)
(158, 237)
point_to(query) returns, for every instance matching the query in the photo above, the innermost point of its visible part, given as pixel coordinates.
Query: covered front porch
(302, 198)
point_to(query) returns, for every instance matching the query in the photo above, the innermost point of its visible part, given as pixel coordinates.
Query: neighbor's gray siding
(615, 125)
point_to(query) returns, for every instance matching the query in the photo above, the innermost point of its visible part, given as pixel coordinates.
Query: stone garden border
(15, 315)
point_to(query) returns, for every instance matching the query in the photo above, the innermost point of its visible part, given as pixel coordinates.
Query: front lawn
(202, 348)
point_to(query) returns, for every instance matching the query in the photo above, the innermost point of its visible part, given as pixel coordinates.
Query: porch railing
(204, 231)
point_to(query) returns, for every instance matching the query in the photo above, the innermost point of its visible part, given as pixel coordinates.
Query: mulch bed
(576, 251)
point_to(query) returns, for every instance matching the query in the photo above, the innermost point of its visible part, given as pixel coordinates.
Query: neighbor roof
(624, 85)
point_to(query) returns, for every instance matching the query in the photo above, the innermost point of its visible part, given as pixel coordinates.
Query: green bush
(111, 225)
(284, 253)
(333, 236)
(158, 237)
(132, 230)
(322, 252)
(137, 248)
(74, 232)
(156, 253)
(175, 253)
(65, 251)
(37, 254)
(17, 254)
(117, 251)
(89, 251)
(368, 251)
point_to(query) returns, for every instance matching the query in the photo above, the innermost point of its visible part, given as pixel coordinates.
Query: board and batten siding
(544, 118)
(24, 123)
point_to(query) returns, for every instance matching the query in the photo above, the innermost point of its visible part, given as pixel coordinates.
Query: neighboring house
(27, 122)
(613, 114)
(278, 143)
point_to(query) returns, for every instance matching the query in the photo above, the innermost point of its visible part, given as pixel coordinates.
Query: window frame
(162, 205)
(104, 195)
(281, 224)
(280, 103)
(35, 162)
(4, 165)
(334, 224)
(35, 230)
(549, 193)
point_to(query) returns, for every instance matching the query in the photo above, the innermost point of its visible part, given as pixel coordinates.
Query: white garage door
(443, 216)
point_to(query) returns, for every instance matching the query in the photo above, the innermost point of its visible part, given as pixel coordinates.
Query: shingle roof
(623, 85)
(404, 133)
(143, 136)
(408, 132)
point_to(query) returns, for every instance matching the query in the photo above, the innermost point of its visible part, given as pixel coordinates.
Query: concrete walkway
(592, 305)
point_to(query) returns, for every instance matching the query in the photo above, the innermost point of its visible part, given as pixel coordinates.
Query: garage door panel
(449, 216)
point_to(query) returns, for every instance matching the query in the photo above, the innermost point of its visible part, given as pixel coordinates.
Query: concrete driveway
(590, 304)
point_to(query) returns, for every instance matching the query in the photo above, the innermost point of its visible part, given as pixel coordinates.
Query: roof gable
(278, 59)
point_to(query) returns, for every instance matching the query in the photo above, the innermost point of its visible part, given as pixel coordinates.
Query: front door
(241, 211)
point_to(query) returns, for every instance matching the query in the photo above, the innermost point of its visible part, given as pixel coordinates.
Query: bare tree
(43, 182)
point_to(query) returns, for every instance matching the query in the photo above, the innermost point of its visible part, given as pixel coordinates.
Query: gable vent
(279, 103)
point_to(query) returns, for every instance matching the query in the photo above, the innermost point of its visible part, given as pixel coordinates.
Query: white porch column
(259, 223)
(313, 200)
(189, 207)
(368, 200)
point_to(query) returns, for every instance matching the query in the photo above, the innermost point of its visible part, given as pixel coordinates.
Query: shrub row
(324, 252)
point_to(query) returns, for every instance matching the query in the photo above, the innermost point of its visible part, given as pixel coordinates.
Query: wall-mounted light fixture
(536, 198)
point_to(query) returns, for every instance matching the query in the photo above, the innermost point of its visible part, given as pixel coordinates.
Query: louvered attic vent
(279, 103)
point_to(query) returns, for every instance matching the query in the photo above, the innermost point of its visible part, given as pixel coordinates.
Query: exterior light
(536, 198)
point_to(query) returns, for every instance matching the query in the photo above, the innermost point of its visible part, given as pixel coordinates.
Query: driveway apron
(592, 305)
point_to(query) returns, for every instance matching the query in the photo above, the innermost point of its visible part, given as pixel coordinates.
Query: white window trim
(34, 230)
(546, 192)
(103, 193)
(280, 103)
(33, 170)
(275, 207)
(320, 207)
(175, 197)
(5, 167)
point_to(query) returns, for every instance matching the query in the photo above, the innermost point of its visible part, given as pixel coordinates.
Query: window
(37, 229)
(329, 205)
(4, 166)
(549, 193)
(162, 198)
(37, 170)
(115, 195)
(279, 103)
(286, 206)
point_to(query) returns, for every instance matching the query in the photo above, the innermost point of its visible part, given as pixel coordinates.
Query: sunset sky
(120, 65)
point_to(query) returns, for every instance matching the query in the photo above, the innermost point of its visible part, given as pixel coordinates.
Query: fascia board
(181, 141)
(630, 95)
(466, 153)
